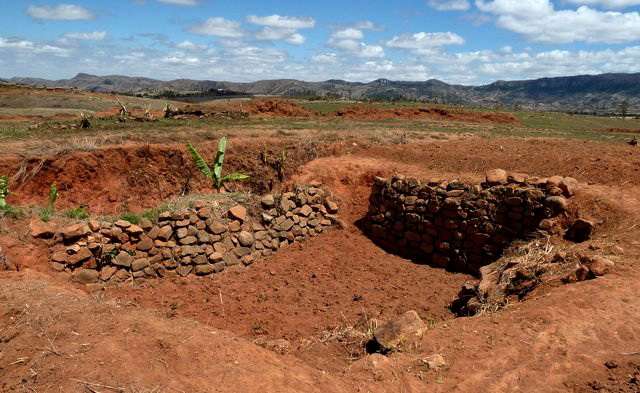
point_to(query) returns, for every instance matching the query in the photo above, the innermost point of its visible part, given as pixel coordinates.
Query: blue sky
(457, 41)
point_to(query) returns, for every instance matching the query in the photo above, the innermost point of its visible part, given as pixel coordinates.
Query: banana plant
(4, 191)
(214, 172)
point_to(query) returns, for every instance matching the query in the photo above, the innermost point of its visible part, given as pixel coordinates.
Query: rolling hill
(606, 93)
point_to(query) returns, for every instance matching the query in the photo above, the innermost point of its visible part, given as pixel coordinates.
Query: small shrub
(45, 215)
(79, 213)
(131, 217)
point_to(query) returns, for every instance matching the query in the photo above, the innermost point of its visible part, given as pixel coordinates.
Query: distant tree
(624, 108)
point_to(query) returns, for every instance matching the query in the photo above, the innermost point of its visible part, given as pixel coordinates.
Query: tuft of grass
(45, 215)
(78, 213)
(131, 217)
(12, 212)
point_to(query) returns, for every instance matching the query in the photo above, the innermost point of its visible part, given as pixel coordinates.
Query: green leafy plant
(79, 213)
(214, 172)
(4, 191)
(47, 212)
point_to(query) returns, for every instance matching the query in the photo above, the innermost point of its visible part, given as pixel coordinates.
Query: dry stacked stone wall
(193, 241)
(459, 226)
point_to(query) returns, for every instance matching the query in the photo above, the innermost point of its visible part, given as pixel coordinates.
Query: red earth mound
(277, 108)
(363, 112)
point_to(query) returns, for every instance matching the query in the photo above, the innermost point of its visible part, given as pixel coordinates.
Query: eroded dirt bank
(562, 334)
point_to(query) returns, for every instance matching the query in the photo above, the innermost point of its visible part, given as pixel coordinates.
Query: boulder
(75, 231)
(86, 276)
(42, 230)
(393, 334)
(145, 244)
(580, 231)
(434, 362)
(238, 212)
(496, 177)
(268, 201)
(123, 259)
(246, 239)
(598, 265)
(558, 203)
(82, 255)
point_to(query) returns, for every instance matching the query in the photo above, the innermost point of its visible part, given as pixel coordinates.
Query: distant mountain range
(606, 93)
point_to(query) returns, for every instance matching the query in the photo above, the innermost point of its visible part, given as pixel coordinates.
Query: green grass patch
(78, 213)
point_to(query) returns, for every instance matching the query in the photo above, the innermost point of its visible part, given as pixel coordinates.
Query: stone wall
(459, 226)
(197, 240)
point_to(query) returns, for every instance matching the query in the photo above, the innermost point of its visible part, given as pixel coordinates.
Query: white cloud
(348, 34)
(218, 27)
(449, 5)
(538, 20)
(32, 47)
(188, 45)
(60, 12)
(281, 28)
(282, 22)
(325, 58)
(424, 41)
(180, 2)
(349, 40)
(607, 3)
(92, 36)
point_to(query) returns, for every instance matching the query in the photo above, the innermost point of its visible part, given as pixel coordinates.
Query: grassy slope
(20, 101)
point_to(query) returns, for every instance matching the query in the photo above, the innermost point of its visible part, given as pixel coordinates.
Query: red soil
(366, 112)
(277, 108)
(562, 335)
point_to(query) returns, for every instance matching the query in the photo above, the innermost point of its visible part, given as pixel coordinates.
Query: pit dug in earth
(462, 227)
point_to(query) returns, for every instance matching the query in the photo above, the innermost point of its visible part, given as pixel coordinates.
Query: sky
(456, 41)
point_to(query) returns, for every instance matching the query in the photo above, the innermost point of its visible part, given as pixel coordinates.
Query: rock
(331, 206)
(434, 362)
(134, 230)
(204, 270)
(496, 177)
(266, 218)
(557, 203)
(41, 230)
(184, 270)
(122, 224)
(268, 201)
(598, 265)
(123, 259)
(94, 225)
(217, 228)
(107, 272)
(139, 264)
(82, 255)
(238, 212)
(145, 244)
(279, 346)
(394, 333)
(75, 231)
(515, 177)
(231, 259)
(165, 233)
(235, 226)
(246, 239)
(60, 256)
(580, 231)
(306, 210)
(568, 185)
(146, 224)
(86, 276)
(189, 240)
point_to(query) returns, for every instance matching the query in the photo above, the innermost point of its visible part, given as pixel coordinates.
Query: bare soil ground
(201, 335)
